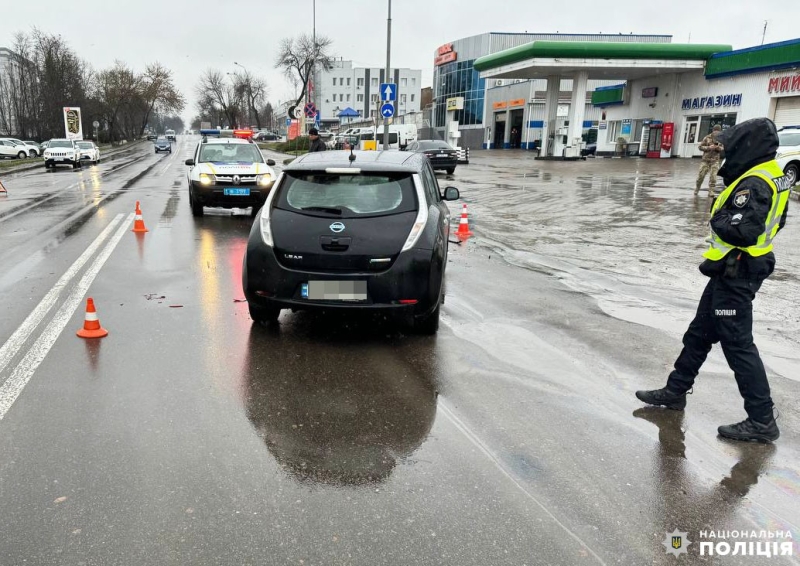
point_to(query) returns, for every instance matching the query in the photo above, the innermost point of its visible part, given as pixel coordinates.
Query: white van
(400, 135)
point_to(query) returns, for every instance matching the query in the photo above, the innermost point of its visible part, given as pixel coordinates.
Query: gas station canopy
(601, 60)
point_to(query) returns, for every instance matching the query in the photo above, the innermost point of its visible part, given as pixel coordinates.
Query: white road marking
(21, 334)
(473, 438)
(11, 389)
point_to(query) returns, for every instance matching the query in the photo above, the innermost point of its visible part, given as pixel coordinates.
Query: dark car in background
(363, 235)
(441, 154)
(163, 144)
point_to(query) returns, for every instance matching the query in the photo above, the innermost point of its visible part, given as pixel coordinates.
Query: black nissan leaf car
(362, 230)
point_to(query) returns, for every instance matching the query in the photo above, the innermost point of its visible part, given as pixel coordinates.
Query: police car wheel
(197, 208)
(791, 171)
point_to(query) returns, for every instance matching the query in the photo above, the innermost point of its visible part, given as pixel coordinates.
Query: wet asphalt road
(191, 436)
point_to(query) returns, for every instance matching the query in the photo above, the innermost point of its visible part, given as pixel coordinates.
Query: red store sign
(445, 54)
(784, 84)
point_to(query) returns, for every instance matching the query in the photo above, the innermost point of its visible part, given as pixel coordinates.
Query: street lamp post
(388, 60)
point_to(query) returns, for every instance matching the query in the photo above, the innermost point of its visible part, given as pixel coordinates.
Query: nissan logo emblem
(337, 227)
(237, 179)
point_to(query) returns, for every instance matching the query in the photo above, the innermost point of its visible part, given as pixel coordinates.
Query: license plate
(236, 192)
(59, 158)
(334, 290)
(442, 155)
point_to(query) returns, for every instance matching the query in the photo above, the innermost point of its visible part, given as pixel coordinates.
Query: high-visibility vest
(772, 174)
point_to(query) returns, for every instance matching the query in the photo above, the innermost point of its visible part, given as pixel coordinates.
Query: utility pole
(388, 63)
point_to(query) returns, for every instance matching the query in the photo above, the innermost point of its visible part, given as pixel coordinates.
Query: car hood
(225, 168)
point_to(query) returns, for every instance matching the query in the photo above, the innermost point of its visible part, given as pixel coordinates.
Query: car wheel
(266, 315)
(430, 324)
(32, 153)
(22, 155)
(450, 170)
(791, 172)
(197, 208)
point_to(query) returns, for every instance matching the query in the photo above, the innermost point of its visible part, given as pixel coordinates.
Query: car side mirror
(189, 162)
(451, 193)
(271, 162)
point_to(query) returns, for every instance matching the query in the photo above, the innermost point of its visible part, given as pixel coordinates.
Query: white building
(345, 86)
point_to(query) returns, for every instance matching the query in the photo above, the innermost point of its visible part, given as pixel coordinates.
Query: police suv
(228, 171)
(789, 153)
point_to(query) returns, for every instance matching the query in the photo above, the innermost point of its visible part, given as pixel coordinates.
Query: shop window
(711, 120)
(613, 131)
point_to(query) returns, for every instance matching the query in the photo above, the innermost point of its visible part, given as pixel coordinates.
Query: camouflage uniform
(712, 151)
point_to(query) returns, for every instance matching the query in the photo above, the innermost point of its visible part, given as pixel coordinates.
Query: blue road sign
(387, 110)
(316, 119)
(388, 91)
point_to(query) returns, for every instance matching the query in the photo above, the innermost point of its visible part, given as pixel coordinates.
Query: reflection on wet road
(192, 436)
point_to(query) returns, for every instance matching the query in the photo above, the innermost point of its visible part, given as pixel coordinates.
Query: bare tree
(159, 92)
(253, 91)
(118, 90)
(216, 94)
(298, 57)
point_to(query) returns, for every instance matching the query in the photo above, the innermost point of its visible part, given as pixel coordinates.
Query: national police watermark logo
(677, 543)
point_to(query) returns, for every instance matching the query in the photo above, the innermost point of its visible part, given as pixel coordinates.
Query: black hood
(746, 145)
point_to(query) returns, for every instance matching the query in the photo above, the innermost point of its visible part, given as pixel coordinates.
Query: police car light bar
(244, 134)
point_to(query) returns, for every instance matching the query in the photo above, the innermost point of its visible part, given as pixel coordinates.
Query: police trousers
(725, 315)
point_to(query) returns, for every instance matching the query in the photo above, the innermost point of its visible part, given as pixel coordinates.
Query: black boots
(751, 431)
(663, 397)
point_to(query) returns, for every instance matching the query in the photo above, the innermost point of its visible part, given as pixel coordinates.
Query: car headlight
(206, 179)
(265, 180)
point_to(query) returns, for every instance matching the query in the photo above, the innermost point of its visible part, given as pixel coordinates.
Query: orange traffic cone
(138, 221)
(91, 325)
(3, 190)
(463, 226)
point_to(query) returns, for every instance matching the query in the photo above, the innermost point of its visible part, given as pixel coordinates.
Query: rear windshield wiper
(323, 209)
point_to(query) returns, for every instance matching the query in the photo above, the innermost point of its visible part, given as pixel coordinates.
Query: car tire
(197, 208)
(450, 170)
(264, 315)
(792, 171)
(32, 153)
(22, 155)
(428, 325)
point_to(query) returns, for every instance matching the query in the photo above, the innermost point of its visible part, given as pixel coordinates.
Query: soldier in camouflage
(712, 153)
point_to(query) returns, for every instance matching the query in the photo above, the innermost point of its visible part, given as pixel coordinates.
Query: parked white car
(89, 152)
(62, 152)
(789, 153)
(12, 148)
(31, 148)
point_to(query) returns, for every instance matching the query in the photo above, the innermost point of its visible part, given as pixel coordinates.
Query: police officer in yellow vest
(746, 217)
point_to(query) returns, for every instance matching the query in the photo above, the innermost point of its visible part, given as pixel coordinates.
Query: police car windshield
(230, 153)
(789, 138)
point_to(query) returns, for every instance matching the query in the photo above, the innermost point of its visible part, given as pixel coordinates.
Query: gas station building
(657, 100)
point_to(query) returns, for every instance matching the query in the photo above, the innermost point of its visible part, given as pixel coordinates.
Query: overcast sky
(191, 36)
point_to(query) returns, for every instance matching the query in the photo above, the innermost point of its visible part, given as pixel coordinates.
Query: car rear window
(434, 145)
(347, 196)
(85, 145)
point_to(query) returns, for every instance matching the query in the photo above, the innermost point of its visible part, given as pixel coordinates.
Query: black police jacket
(741, 223)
